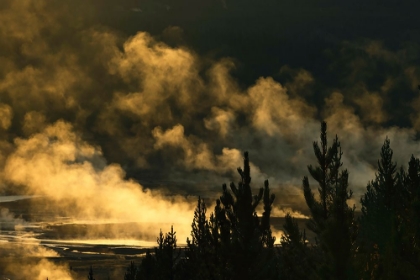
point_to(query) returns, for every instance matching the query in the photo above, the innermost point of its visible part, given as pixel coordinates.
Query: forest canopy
(233, 242)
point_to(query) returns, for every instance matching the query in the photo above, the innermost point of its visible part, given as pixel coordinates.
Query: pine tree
(293, 235)
(323, 174)
(200, 253)
(296, 259)
(409, 224)
(131, 273)
(165, 255)
(147, 268)
(267, 238)
(161, 265)
(233, 244)
(220, 228)
(412, 210)
(200, 228)
(331, 218)
(239, 222)
(380, 223)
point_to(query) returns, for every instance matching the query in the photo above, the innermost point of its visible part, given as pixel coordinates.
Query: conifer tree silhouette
(147, 268)
(165, 254)
(132, 272)
(201, 251)
(267, 238)
(378, 197)
(230, 245)
(247, 235)
(409, 225)
(389, 219)
(200, 227)
(331, 218)
(296, 258)
(412, 204)
(162, 264)
(378, 213)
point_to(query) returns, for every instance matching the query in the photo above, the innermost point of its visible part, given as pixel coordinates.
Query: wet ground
(30, 231)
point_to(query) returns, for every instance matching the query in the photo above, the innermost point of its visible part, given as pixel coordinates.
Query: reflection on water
(32, 231)
(23, 221)
(11, 198)
(40, 237)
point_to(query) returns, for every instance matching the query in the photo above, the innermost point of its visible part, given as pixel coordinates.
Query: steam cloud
(28, 261)
(86, 113)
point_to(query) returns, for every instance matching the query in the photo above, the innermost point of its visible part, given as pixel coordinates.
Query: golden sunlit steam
(109, 128)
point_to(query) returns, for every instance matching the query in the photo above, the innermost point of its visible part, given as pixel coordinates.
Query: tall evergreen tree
(239, 222)
(220, 228)
(331, 218)
(200, 228)
(161, 265)
(165, 255)
(201, 260)
(267, 238)
(380, 222)
(409, 220)
(233, 244)
(147, 268)
(389, 233)
(411, 213)
(240, 212)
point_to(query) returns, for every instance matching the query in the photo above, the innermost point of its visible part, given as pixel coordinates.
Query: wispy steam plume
(88, 112)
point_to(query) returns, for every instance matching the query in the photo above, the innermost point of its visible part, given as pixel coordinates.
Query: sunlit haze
(115, 117)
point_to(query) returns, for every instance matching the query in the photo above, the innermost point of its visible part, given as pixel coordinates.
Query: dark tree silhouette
(331, 218)
(90, 275)
(132, 272)
(411, 210)
(248, 236)
(409, 224)
(147, 268)
(234, 243)
(201, 262)
(267, 238)
(389, 220)
(379, 216)
(166, 255)
(297, 259)
(200, 227)
(161, 265)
